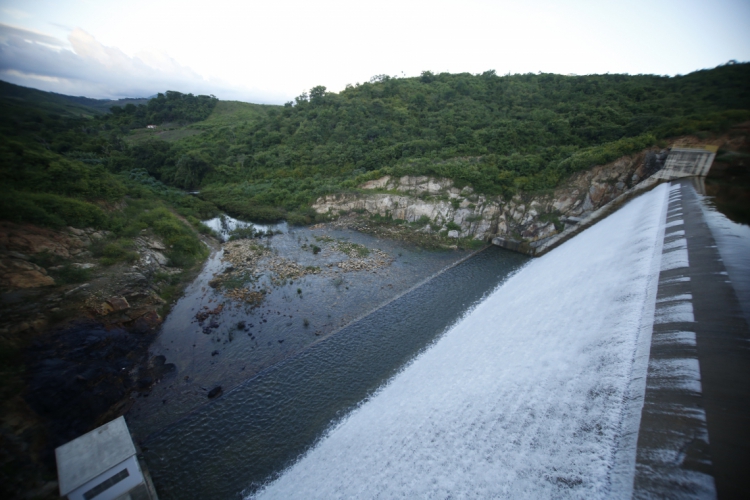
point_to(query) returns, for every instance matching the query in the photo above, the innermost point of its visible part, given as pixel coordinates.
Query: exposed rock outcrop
(123, 295)
(19, 273)
(462, 213)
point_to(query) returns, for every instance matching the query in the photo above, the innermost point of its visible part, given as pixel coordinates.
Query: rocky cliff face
(462, 213)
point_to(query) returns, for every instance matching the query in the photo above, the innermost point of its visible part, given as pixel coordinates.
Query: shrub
(297, 219)
(184, 246)
(244, 233)
(421, 222)
(69, 274)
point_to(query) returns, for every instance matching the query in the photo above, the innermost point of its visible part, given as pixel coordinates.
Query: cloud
(15, 13)
(8, 32)
(84, 66)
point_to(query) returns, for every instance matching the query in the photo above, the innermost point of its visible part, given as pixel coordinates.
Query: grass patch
(111, 252)
(69, 274)
(421, 222)
(353, 249)
(470, 244)
(553, 218)
(244, 233)
(184, 247)
(238, 280)
(171, 286)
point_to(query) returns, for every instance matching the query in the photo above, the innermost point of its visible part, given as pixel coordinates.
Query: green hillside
(500, 134)
(56, 170)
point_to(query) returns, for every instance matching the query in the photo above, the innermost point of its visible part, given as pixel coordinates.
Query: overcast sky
(273, 50)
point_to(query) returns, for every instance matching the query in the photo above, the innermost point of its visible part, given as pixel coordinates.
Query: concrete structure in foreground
(681, 162)
(102, 465)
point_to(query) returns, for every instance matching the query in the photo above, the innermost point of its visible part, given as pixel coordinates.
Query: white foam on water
(678, 243)
(684, 338)
(674, 298)
(678, 222)
(679, 373)
(678, 279)
(224, 226)
(525, 397)
(675, 312)
(674, 259)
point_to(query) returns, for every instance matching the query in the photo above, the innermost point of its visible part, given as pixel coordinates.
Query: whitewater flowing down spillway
(530, 395)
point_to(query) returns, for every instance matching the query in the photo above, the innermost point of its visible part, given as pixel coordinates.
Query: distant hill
(64, 104)
(104, 105)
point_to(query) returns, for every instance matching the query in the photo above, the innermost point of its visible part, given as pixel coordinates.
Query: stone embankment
(462, 213)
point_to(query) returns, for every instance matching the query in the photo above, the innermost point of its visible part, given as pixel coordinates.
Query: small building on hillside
(102, 465)
(151, 126)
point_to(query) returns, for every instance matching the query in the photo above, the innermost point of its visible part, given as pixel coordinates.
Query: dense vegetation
(55, 172)
(169, 107)
(499, 134)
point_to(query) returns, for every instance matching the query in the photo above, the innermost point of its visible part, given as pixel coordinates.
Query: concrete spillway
(536, 393)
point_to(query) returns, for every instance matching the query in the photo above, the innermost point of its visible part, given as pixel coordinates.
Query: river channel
(310, 352)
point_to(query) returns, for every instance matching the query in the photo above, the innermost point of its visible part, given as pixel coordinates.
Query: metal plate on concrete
(84, 458)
